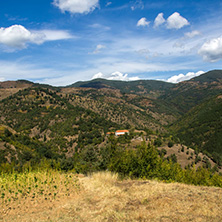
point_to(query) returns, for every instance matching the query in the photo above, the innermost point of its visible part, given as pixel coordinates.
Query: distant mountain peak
(211, 76)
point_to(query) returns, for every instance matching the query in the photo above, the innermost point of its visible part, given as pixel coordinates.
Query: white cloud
(20, 70)
(192, 34)
(108, 4)
(98, 49)
(115, 76)
(176, 21)
(179, 44)
(109, 65)
(138, 4)
(159, 20)
(76, 6)
(98, 75)
(118, 76)
(36, 73)
(53, 35)
(67, 73)
(99, 26)
(143, 51)
(181, 77)
(211, 50)
(17, 36)
(143, 22)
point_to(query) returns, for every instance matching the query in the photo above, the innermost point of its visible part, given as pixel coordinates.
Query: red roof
(110, 133)
(122, 131)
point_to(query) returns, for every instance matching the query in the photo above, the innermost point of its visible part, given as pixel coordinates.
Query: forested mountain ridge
(64, 120)
(213, 76)
(151, 88)
(48, 115)
(188, 94)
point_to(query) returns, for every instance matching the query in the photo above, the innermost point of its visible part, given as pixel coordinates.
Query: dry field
(102, 197)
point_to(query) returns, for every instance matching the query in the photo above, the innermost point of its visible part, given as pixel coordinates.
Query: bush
(170, 144)
(157, 142)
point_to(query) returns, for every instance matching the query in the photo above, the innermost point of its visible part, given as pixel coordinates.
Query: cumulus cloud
(18, 37)
(192, 34)
(181, 77)
(159, 20)
(176, 21)
(98, 75)
(143, 22)
(211, 51)
(76, 6)
(115, 76)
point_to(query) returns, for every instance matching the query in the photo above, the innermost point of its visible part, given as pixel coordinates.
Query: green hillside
(209, 77)
(201, 127)
(46, 116)
(188, 94)
(59, 123)
(136, 110)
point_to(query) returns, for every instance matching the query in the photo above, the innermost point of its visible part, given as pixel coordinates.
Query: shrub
(157, 142)
(182, 149)
(170, 144)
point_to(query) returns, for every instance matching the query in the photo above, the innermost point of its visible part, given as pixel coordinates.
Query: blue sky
(59, 42)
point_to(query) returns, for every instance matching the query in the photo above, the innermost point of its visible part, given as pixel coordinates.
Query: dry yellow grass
(22, 195)
(103, 197)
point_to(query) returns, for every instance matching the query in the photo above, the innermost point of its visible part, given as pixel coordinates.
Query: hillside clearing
(102, 197)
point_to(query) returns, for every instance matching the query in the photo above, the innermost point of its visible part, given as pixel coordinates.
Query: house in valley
(121, 132)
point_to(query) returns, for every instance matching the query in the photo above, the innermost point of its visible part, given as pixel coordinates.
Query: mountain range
(65, 119)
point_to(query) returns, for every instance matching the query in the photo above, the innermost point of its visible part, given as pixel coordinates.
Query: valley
(61, 123)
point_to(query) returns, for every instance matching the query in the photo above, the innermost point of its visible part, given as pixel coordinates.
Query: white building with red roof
(121, 132)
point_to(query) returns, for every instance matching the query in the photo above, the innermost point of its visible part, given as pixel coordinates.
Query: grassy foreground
(102, 197)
